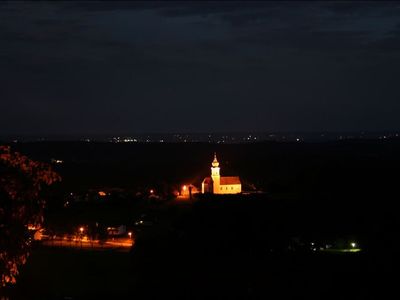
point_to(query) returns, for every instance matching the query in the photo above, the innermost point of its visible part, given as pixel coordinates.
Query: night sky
(131, 67)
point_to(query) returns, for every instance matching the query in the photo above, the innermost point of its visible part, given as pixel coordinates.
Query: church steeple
(215, 162)
(215, 174)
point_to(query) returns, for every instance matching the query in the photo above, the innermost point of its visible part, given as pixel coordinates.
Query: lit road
(121, 244)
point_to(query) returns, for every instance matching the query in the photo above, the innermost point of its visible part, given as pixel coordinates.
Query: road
(121, 244)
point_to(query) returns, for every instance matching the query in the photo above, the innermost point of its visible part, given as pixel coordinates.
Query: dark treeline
(334, 168)
(346, 180)
(345, 183)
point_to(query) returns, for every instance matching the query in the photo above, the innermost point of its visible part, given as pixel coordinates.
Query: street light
(130, 234)
(81, 231)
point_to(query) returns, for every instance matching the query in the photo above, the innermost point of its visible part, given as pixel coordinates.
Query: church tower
(215, 174)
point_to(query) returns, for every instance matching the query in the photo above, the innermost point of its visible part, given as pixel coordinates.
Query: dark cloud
(165, 66)
(388, 45)
(107, 6)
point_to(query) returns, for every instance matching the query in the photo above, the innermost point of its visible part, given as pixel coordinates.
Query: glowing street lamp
(151, 191)
(130, 234)
(184, 188)
(353, 245)
(81, 231)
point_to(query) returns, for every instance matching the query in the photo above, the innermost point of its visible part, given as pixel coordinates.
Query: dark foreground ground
(246, 247)
(68, 274)
(222, 249)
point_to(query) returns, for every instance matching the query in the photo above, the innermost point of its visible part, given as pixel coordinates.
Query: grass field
(60, 273)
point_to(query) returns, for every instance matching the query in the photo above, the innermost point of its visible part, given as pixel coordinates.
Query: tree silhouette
(21, 205)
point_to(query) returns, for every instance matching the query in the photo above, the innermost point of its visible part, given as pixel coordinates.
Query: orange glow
(33, 227)
(184, 187)
(130, 234)
(81, 229)
(102, 194)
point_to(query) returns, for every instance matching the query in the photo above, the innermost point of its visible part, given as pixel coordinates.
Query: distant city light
(130, 234)
(184, 187)
(81, 229)
(353, 245)
(57, 161)
(151, 191)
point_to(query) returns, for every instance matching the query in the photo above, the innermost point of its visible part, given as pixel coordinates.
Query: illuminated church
(217, 184)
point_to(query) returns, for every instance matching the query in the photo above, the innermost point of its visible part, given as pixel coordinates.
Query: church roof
(207, 180)
(226, 180)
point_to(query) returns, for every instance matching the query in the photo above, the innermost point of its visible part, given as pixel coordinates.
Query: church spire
(215, 162)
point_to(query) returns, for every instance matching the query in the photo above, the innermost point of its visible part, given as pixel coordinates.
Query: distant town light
(151, 191)
(81, 229)
(56, 161)
(102, 194)
(130, 234)
(353, 245)
(184, 187)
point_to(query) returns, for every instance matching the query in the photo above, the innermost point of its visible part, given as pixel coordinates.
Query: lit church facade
(217, 184)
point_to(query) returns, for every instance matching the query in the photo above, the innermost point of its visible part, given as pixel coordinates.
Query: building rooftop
(226, 180)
